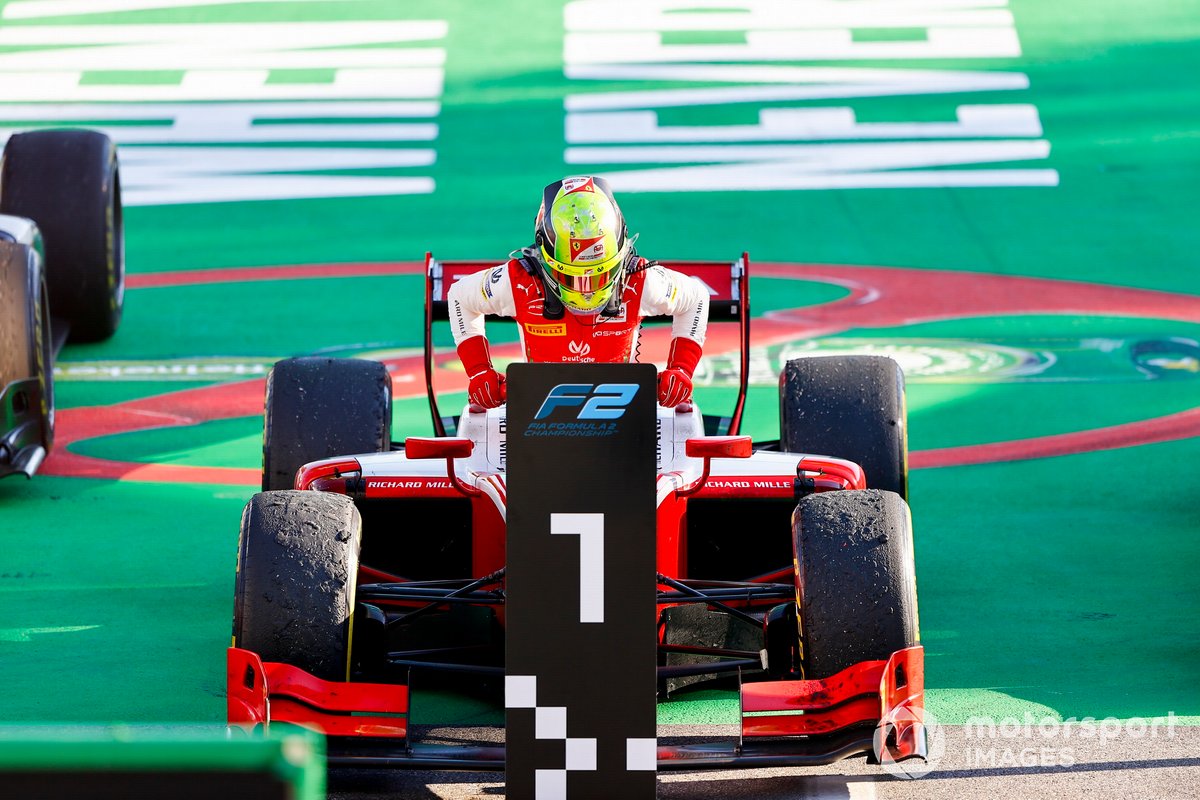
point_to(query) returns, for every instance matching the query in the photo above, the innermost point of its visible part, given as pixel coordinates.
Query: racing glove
(487, 385)
(675, 382)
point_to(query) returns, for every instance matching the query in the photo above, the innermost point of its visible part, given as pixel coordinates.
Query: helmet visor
(585, 286)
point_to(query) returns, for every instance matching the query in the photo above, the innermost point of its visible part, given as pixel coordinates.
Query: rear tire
(297, 569)
(855, 583)
(68, 182)
(849, 407)
(323, 407)
(25, 341)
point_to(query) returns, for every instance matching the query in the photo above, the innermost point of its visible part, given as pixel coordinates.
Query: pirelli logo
(549, 329)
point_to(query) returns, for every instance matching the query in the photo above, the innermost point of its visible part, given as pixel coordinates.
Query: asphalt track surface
(1024, 764)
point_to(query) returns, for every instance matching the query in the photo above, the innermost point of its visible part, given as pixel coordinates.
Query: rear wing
(728, 286)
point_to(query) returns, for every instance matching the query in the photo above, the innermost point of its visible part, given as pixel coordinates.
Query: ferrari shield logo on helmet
(580, 184)
(588, 249)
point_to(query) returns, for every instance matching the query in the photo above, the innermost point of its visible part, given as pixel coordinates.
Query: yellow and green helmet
(582, 241)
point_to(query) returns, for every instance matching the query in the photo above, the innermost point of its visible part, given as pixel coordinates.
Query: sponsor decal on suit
(546, 329)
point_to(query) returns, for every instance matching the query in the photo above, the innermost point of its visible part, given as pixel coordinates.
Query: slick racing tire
(294, 592)
(323, 407)
(856, 588)
(25, 341)
(849, 407)
(69, 183)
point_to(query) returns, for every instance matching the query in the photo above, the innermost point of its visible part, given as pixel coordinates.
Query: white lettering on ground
(166, 175)
(169, 123)
(35, 9)
(727, 15)
(363, 84)
(773, 83)
(823, 45)
(841, 166)
(624, 41)
(221, 46)
(372, 82)
(776, 124)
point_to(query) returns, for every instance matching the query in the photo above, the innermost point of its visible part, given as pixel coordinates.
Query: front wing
(867, 708)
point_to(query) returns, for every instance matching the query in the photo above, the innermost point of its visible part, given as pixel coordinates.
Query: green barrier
(182, 763)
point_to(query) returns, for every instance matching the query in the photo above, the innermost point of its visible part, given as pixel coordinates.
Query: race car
(368, 569)
(62, 274)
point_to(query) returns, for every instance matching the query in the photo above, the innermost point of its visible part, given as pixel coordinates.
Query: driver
(578, 294)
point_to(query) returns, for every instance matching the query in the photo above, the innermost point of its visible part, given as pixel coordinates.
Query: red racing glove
(675, 382)
(487, 386)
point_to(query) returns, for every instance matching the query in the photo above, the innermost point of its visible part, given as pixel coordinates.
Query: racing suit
(508, 290)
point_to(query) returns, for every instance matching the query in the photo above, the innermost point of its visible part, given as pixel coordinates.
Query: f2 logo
(605, 401)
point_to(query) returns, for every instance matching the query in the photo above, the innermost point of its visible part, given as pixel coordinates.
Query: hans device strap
(632, 264)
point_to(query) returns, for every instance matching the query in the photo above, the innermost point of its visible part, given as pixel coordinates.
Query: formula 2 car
(62, 274)
(778, 569)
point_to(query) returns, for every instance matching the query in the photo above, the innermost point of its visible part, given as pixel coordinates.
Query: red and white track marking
(879, 297)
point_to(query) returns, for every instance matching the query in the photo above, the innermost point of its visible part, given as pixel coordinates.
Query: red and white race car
(366, 567)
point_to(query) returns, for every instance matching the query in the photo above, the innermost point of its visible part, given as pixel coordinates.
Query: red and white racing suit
(508, 290)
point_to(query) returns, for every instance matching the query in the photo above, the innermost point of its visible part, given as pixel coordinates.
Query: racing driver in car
(578, 294)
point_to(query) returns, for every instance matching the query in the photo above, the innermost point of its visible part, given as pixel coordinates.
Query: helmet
(581, 242)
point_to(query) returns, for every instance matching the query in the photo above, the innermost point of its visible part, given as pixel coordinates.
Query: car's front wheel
(296, 576)
(856, 587)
